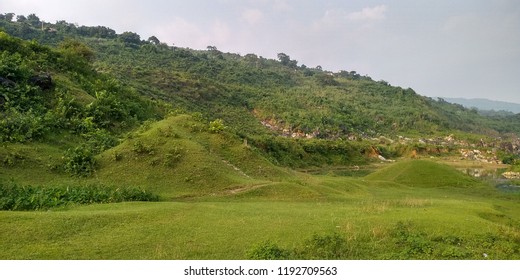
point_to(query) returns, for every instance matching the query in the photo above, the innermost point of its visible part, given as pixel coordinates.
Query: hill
(423, 174)
(486, 104)
(180, 157)
(256, 95)
(105, 84)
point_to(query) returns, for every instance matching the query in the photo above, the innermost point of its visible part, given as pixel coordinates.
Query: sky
(444, 48)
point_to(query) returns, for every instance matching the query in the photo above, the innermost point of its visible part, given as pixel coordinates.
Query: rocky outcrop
(4, 82)
(478, 155)
(511, 175)
(43, 81)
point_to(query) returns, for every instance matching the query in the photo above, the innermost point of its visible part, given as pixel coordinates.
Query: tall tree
(154, 40)
(34, 20)
(130, 38)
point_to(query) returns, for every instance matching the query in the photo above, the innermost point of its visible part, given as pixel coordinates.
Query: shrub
(13, 67)
(117, 156)
(216, 126)
(14, 197)
(100, 140)
(326, 247)
(80, 161)
(16, 126)
(173, 156)
(412, 244)
(141, 148)
(511, 159)
(267, 251)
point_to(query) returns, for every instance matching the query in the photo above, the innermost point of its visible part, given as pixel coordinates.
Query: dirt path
(245, 189)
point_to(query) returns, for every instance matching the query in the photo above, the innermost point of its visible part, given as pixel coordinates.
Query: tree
(78, 49)
(9, 16)
(34, 20)
(326, 79)
(21, 18)
(284, 59)
(154, 40)
(130, 38)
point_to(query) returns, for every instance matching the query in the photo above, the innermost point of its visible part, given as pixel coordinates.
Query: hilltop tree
(34, 20)
(21, 18)
(9, 17)
(326, 79)
(97, 31)
(286, 60)
(130, 38)
(154, 40)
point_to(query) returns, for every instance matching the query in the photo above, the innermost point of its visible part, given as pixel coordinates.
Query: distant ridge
(485, 104)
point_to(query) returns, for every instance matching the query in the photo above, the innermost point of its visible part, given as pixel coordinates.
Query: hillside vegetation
(213, 155)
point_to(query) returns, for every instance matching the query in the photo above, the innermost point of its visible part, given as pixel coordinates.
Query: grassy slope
(369, 211)
(175, 157)
(179, 157)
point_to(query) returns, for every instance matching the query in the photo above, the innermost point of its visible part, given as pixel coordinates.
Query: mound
(422, 173)
(179, 156)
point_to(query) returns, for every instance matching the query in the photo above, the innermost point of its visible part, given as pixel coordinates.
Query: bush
(13, 67)
(325, 247)
(80, 161)
(412, 244)
(173, 156)
(21, 127)
(142, 148)
(100, 140)
(14, 197)
(511, 159)
(267, 251)
(216, 126)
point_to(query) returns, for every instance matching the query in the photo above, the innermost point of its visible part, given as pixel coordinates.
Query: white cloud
(338, 18)
(252, 16)
(281, 6)
(187, 34)
(220, 34)
(332, 17)
(369, 14)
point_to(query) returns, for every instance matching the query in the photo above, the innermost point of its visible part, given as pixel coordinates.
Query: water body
(508, 188)
(494, 176)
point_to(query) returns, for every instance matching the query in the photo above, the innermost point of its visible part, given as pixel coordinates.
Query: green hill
(179, 156)
(247, 90)
(423, 174)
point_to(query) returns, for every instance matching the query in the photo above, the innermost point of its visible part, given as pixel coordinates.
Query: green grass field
(408, 210)
(220, 199)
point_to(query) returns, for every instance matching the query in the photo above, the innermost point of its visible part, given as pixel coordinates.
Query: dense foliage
(258, 99)
(405, 240)
(15, 197)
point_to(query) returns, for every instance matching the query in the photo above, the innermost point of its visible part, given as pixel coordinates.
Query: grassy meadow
(218, 198)
(412, 209)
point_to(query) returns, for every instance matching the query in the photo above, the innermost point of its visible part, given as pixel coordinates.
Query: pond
(508, 187)
(493, 176)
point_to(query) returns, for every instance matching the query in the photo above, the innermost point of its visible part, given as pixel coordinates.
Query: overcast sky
(463, 48)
